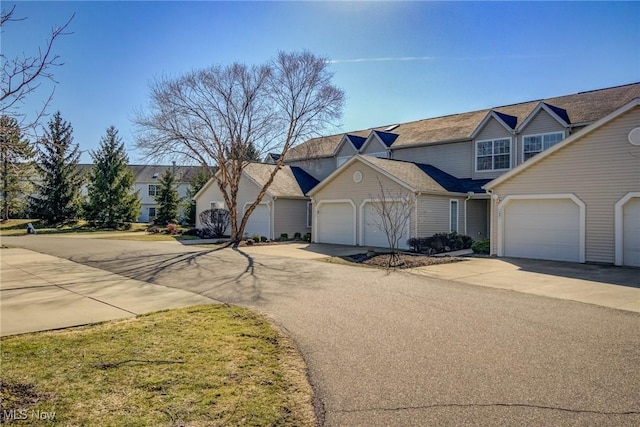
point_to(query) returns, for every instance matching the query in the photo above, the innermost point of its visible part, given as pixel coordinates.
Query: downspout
(272, 217)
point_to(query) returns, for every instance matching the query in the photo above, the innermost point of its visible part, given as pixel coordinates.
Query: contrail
(383, 59)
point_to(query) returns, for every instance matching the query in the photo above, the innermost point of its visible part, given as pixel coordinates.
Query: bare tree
(393, 209)
(22, 75)
(217, 115)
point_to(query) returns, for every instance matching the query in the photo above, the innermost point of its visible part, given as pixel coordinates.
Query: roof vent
(634, 136)
(390, 128)
(155, 175)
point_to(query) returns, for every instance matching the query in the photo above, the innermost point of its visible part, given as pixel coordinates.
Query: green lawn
(205, 365)
(18, 227)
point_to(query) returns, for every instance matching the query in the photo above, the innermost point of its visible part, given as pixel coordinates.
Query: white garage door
(631, 233)
(259, 222)
(335, 223)
(373, 230)
(542, 229)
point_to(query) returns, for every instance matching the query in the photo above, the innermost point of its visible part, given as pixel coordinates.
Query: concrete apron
(40, 292)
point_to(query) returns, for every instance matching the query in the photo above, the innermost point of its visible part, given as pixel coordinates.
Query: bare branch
(219, 114)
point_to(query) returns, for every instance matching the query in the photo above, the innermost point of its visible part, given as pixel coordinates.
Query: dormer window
(493, 155)
(534, 144)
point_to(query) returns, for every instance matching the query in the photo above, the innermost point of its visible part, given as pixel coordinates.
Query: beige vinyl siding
(317, 168)
(543, 122)
(433, 214)
(248, 192)
(456, 158)
(477, 218)
(599, 168)
(491, 130)
(374, 146)
(342, 187)
(290, 217)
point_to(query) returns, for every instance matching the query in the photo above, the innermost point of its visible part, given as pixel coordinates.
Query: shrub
(255, 238)
(440, 242)
(297, 236)
(263, 239)
(214, 221)
(481, 246)
(307, 237)
(284, 236)
(172, 229)
(191, 232)
(249, 242)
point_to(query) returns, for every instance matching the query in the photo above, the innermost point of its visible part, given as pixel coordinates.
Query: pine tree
(195, 184)
(111, 201)
(15, 156)
(57, 198)
(167, 199)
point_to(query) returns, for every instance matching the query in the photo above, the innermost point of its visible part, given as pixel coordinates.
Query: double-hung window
(493, 154)
(534, 144)
(154, 189)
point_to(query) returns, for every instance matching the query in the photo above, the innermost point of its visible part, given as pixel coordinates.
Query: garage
(373, 232)
(631, 233)
(259, 222)
(336, 223)
(547, 229)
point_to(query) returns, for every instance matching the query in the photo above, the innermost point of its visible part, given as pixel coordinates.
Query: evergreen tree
(195, 184)
(111, 201)
(167, 199)
(58, 194)
(15, 156)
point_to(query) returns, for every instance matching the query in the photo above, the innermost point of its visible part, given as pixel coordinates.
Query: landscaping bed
(404, 260)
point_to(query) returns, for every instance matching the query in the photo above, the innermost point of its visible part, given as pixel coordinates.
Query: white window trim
(564, 135)
(619, 226)
(493, 140)
(583, 218)
(156, 186)
(309, 217)
(457, 202)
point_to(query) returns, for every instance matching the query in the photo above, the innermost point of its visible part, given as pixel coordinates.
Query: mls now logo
(15, 414)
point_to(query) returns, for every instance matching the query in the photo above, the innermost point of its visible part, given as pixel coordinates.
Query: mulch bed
(406, 260)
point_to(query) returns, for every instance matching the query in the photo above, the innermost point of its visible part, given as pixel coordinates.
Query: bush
(284, 236)
(255, 238)
(297, 236)
(172, 229)
(440, 242)
(481, 247)
(263, 239)
(307, 237)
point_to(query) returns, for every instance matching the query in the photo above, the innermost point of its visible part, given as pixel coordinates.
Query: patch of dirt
(404, 260)
(17, 396)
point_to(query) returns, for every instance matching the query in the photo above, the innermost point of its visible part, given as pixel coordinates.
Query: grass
(18, 227)
(207, 365)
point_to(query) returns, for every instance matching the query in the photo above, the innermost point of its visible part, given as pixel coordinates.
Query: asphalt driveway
(404, 349)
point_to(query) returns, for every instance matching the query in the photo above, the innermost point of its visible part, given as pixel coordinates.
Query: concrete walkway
(41, 292)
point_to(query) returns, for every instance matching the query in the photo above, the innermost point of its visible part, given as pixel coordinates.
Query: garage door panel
(336, 223)
(631, 232)
(542, 229)
(259, 222)
(373, 234)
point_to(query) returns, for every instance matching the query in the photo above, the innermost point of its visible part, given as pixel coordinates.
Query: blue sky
(396, 61)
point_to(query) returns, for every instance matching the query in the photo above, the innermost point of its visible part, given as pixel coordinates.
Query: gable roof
(289, 182)
(582, 108)
(415, 177)
(570, 140)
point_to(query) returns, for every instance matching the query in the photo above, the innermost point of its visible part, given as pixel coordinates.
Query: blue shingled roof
(561, 112)
(450, 182)
(357, 141)
(510, 121)
(304, 180)
(386, 137)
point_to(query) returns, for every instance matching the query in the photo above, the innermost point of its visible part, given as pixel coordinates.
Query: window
(534, 144)
(152, 214)
(309, 214)
(453, 216)
(154, 189)
(493, 154)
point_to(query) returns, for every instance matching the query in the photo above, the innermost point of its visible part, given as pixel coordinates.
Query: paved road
(402, 349)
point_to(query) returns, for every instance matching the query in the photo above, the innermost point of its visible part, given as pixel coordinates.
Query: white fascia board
(491, 114)
(542, 106)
